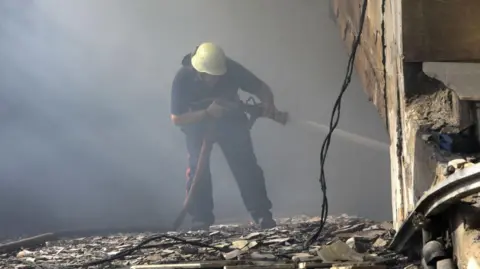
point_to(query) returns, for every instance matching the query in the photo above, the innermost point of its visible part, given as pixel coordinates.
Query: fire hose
(254, 111)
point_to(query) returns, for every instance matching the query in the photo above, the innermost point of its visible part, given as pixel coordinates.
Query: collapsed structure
(346, 241)
(416, 63)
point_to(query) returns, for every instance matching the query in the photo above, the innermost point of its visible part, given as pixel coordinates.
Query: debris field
(346, 242)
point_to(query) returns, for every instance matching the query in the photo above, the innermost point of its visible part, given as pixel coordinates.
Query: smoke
(85, 87)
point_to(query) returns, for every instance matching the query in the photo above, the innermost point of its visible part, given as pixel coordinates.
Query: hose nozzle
(280, 117)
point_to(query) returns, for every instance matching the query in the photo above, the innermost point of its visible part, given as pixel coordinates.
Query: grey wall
(85, 87)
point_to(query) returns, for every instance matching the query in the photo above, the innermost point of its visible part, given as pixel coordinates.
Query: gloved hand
(215, 110)
(269, 109)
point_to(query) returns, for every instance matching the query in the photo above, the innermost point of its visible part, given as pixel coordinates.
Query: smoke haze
(86, 137)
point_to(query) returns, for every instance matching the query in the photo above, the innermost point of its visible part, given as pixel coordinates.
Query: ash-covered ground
(345, 239)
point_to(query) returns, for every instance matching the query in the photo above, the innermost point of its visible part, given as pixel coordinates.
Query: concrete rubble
(346, 242)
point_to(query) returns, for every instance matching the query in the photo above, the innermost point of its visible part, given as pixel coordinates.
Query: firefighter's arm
(180, 113)
(252, 84)
(189, 117)
(265, 95)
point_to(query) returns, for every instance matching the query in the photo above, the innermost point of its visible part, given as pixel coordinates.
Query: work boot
(267, 223)
(264, 219)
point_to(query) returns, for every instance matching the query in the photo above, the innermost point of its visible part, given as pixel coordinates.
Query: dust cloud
(86, 138)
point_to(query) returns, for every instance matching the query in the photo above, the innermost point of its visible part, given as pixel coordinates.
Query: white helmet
(210, 58)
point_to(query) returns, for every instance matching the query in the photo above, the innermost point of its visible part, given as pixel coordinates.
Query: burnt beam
(441, 31)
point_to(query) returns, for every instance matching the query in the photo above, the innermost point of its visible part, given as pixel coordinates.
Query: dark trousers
(236, 144)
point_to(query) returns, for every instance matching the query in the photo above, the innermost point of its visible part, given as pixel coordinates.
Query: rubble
(359, 244)
(224, 246)
(339, 251)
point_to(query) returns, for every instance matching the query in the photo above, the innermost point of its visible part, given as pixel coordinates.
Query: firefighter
(207, 75)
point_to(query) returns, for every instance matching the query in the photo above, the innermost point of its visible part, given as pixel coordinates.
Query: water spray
(355, 138)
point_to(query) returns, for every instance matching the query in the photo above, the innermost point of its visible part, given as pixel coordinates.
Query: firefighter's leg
(201, 208)
(238, 150)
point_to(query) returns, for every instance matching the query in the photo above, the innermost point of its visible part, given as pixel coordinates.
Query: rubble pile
(344, 239)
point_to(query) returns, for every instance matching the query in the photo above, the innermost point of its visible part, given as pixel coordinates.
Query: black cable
(142, 245)
(335, 117)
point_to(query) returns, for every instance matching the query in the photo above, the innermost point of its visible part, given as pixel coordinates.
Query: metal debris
(350, 229)
(276, 266)
(380, 243)
(236, 247)
(360, 244)
(359, 266)
(339, 251)
(262, 256)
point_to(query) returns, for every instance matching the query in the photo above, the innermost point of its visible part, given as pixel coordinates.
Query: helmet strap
(195, 51)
